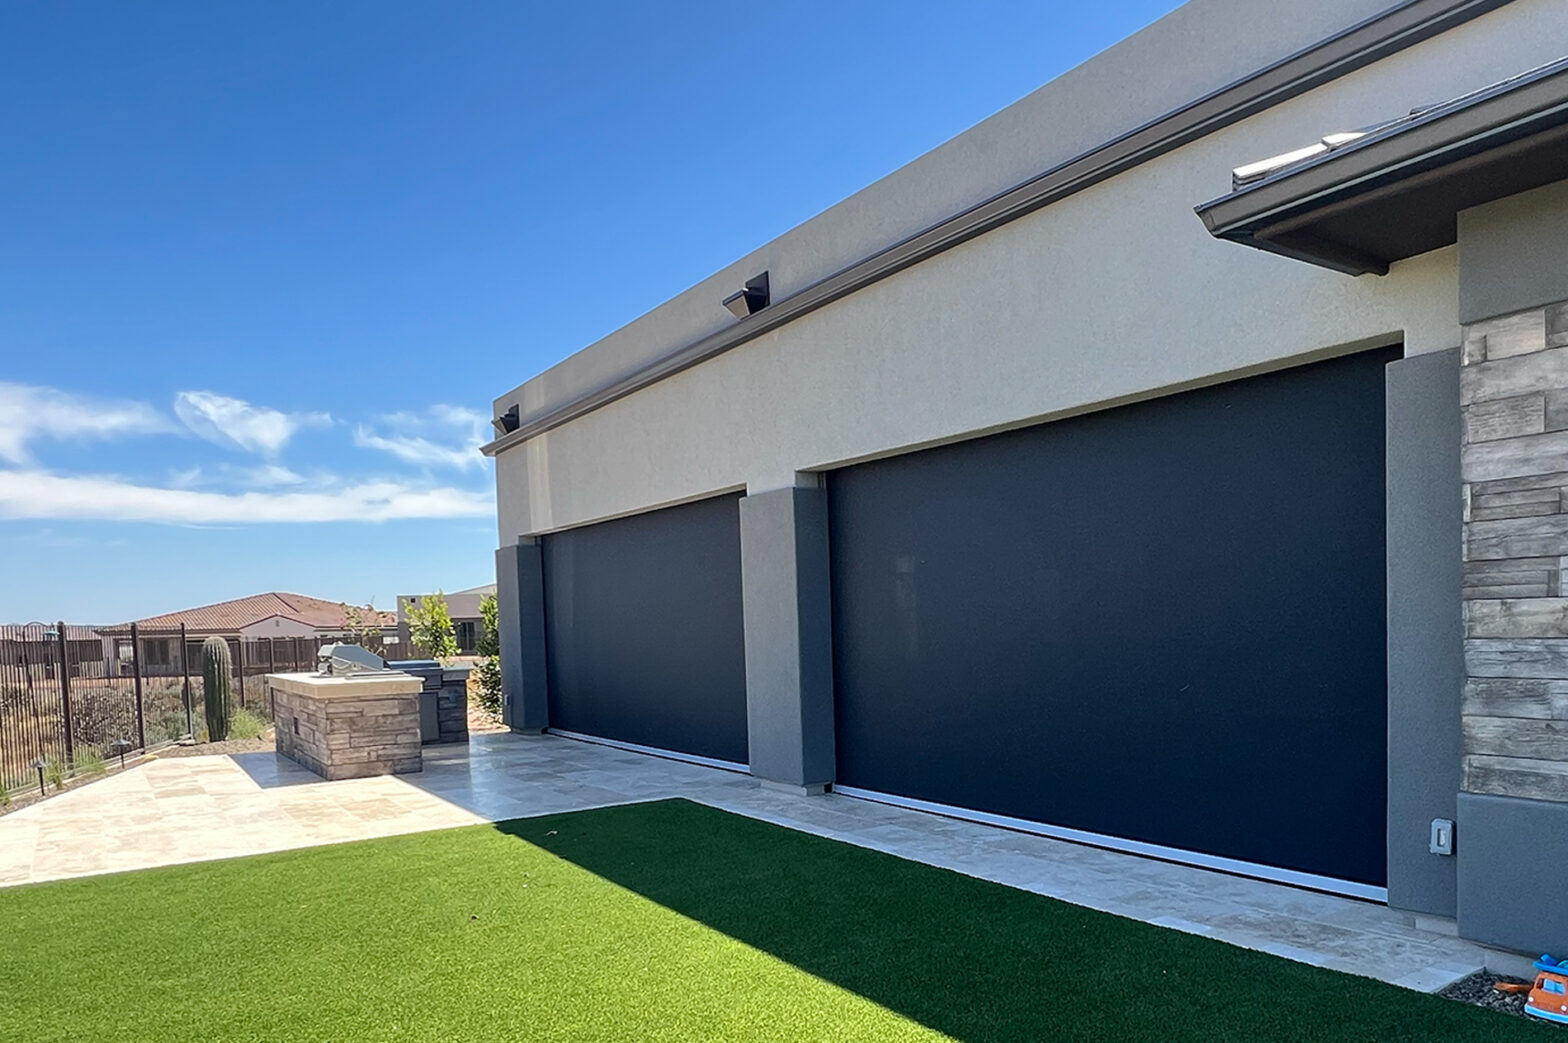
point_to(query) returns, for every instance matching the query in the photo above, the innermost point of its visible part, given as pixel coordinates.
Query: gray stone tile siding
(452, 705)
(1514, 394)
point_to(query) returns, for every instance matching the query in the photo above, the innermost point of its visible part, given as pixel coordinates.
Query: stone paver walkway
(198, 808)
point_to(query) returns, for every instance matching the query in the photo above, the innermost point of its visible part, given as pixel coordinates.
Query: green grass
(661, 921)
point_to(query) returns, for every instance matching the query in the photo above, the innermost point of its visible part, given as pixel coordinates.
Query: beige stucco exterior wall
(278, 626)
(1114, 294)
(1077, 111)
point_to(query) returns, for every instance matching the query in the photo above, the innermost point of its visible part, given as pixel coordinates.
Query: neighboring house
(1007, 490)
(35, 652)
(253, 619)
(463, 606)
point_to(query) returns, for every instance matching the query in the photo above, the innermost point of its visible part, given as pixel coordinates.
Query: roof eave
(1288, 212)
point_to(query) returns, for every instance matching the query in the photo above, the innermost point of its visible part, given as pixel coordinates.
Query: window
(1552, 985)
(465, 635)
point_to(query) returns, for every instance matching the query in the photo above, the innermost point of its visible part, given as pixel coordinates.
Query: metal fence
(73, 694)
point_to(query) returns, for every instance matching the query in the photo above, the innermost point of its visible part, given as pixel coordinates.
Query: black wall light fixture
(750, 300)
(506, 423)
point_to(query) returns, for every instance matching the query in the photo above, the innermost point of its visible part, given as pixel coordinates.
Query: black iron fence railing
(72, 695)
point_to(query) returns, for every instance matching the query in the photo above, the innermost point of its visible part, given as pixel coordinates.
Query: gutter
(1354, 48)
(1408, 153)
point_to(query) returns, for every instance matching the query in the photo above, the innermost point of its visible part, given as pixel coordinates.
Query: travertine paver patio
(196, 808)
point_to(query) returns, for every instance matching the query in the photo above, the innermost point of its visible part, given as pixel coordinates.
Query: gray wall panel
(1426, 667)
(1511, 858)
(1511, 254)
(520, 599)
(789, 635)
(643, 619)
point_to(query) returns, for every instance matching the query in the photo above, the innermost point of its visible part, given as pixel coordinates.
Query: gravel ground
(205, 749)
(1477, 989)
(481, 723)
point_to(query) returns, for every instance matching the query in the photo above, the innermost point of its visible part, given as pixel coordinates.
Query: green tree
(487, 675)
(363, 624)
(430, 626)
(490, 640)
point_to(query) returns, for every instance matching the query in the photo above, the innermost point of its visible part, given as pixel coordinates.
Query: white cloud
(28, 413)
(412, 449)
(262, 476)
(457, 416)
(185, 477)
(229, 494)
(33, 494)
(419, 438)
(236, 424)
(267, 476)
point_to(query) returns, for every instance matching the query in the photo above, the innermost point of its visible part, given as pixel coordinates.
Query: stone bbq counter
(349, 726)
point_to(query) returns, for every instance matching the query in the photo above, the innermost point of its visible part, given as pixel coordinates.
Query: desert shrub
(487, 675)
(169, 726)
(487, 684)
(164, 702)
(5, 794)
(54, 773)
(245, 724)
(90, 762)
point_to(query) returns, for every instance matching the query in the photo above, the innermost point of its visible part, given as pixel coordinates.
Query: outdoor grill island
(357, 716)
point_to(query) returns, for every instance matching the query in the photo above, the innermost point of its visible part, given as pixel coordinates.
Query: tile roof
(38, 632)
(230, 616)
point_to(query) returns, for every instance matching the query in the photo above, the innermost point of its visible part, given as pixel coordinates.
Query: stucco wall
(1113, 294)
(1200, 47)
(278, 626)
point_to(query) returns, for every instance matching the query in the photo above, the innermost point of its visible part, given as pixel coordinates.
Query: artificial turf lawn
(667, 920)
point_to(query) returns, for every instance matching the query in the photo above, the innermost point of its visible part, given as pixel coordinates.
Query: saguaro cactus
(216, 669)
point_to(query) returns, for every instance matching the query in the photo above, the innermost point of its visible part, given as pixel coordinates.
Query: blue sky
(263, 266)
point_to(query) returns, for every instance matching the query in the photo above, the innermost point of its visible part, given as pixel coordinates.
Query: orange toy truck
(1549, 997)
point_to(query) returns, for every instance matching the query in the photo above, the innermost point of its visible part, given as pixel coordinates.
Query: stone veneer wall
(452, 705)
(449, 685)
(1514, 395)
(349, 737)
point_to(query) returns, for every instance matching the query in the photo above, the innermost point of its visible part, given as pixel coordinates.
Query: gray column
(1426, 669)
(519, 579)
(789, 637)
(1513, 809)
(1512, 836)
